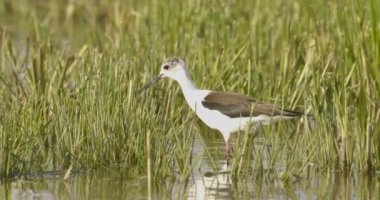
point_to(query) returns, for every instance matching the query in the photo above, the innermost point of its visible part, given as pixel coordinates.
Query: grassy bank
(69, 69)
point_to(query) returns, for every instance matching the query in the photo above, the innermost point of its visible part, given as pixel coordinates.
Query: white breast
(214, 118)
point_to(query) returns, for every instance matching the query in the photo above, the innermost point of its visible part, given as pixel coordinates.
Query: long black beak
(159, 77)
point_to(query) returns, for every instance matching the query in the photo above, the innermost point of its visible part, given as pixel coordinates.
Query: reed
(69, 72)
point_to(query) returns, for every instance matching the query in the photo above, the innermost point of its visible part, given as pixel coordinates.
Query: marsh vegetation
(69, 71)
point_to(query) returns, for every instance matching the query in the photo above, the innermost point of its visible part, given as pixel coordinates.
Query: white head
(174, 68)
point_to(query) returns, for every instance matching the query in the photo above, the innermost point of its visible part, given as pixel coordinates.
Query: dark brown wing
(236, 105)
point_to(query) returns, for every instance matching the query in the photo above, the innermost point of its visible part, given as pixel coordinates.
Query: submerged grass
(69, 72)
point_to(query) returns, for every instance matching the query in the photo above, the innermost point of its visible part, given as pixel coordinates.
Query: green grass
(69, 72)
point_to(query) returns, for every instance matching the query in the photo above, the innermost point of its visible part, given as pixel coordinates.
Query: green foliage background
(69, 71)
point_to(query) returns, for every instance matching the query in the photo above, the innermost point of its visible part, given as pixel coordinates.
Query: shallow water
(203, 183)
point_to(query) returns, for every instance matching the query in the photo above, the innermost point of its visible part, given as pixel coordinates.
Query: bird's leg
(228, 155)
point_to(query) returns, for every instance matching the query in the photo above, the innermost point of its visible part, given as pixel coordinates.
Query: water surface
(203, 183)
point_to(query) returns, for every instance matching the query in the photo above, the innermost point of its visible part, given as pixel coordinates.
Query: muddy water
(203, 183)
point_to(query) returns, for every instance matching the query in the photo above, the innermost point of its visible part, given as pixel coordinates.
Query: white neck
(187, 84)
(184, 80)
(188, 88)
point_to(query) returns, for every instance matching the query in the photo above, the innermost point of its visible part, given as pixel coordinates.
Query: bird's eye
(166, 67)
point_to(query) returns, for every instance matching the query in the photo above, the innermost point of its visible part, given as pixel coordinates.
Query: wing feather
(236, 105)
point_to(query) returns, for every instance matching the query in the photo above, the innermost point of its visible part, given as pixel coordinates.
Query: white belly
(219, 121)
(213, 118)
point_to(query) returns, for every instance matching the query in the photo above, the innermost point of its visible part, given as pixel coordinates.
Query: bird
(227, 112)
